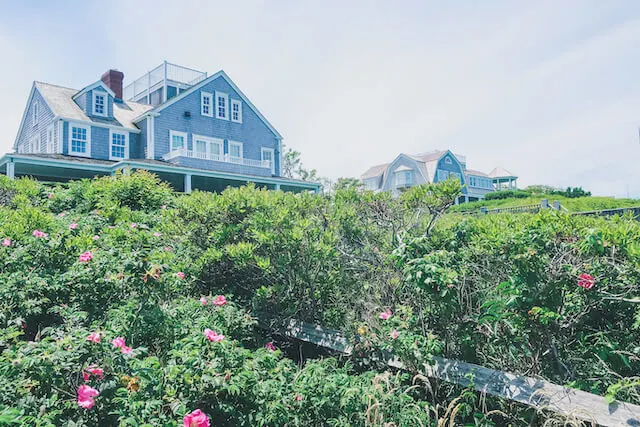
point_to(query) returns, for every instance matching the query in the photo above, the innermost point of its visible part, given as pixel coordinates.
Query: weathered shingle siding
(99, 141)
(29, 130)
(142, 140)
(191, 162)
(454, 166)
(135, 146)
(252, 132)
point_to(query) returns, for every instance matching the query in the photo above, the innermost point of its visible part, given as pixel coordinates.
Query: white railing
(161, 74)
(225, 158)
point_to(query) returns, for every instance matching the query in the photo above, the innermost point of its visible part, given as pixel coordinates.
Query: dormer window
(222, 105)
(236, 111)
(206, 104)
(36, 112)
(99, 103)
(448, 160)
(404, 178)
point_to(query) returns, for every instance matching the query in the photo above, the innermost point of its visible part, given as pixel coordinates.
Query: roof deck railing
(161, 76)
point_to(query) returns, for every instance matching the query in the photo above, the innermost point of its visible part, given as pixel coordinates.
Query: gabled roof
(209, 79)
(375, 171)
(501, 173)
(60, 101)
(475, 173)
(99, 83)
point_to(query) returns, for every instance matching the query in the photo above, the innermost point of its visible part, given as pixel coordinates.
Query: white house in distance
(408, 170)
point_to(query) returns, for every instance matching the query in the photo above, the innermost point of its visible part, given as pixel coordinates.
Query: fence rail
(526, 390)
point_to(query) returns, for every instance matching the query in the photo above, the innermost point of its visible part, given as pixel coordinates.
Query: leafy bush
(507, 194)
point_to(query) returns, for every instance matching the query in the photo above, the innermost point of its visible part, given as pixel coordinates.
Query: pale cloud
(546, 89)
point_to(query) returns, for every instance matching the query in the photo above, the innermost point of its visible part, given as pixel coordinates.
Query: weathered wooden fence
(533, 392)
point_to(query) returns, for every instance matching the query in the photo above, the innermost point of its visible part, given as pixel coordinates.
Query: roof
(501, 173)
(85, 160)
(475, 173)
(60, 100)
(375, 171)
(403, 168)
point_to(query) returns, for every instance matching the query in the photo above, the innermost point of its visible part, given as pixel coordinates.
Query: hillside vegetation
(123, 303)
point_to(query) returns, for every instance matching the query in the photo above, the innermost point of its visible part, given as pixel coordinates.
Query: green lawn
(579, 204)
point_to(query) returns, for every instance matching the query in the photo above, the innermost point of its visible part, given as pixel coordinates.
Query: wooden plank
(526, 390)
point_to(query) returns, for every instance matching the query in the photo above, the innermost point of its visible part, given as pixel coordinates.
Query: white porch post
(277, 188)
(466, 199)
(187, 183)
(11, 170)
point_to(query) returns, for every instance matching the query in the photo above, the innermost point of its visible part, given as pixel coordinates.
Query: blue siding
(100, 142)
(29, 130)
(191, 162)
(454, 166)
(140, 149)
(89, 107)
(252, 132)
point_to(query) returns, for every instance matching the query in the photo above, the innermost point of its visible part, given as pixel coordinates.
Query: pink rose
(94, 337)
(85, 376)
(125, 350)
(61, 214)
(96, 237)
(95, 371)
(39, 234)
(299, 398)
(50, 195)
(180, 275)
(385, 315)
(73, 226)
(203, 300)
(269, 346)
(220, 300)
(586, 281)
(85, 257)
(157, 234)
(213, 336)
(196, 418)
(168, 248)
(118, 342)
(86, 395)
(133, 225)
(163, 207)
(6, 242)
(394, 334)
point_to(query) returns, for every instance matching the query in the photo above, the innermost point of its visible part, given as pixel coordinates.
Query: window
(119, 148)
(35, 144)
(99, 103)
(178, 140)
(457, 175)
(235, 151)
(222, 108)
(36, 112)
(371, 183)
(267, 158)
(206, 109)
(236, 111)
(208, 148)
(80, 140)
(448, 160)
(442, 175)
(404, 178)
(50, 143)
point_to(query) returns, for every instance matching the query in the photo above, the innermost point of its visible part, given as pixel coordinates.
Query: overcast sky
(549, 90)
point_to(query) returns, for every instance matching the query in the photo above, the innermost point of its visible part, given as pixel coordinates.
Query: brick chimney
(113, 79)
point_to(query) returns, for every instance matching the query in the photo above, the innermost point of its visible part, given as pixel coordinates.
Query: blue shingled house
(191, 129)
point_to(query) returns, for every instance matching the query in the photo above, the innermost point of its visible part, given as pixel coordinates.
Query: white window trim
(70, 136)
(93, 103)
(36, 143)
(239, 144)
(126, 145)
(204, 95)
(173, 133)
(50, 141)
(226, 105)
(35, 113)
(239, 104)
(273, 157)
(448, 160)
(404, 174)
(209, 140)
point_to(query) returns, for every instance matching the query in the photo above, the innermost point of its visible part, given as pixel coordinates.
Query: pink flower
(394, 334)
(126, 350)
(133, 225)
(203, 300)
(61, 214)
(86, 395)
(118, 342)
(73, 226)
(269, 346)
(299, 398)
(85, 257)
(385, 315)
(6, 242)
(180, 275)
(95, 371)
(213, 336)
(39, 234)
(111, 227)
(94, 337)
(50, 195)
(157, 234)
(85, 376)
(96, 237)
(168, 248)
(586, 281)
(220, 300)
(163, 207)
(196, 419)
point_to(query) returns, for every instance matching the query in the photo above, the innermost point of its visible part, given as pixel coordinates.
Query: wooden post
(11, 170)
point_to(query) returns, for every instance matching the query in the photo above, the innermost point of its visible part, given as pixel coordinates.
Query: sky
(549, 90)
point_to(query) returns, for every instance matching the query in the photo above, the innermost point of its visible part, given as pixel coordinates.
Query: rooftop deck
(159, 84)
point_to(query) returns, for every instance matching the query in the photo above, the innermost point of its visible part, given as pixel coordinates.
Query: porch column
(11, 170)
(187, 183)
(466, 199)
(277, 187)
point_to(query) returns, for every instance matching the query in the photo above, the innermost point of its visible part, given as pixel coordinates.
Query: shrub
(507, 194)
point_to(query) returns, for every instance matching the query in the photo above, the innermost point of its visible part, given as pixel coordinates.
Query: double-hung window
(35, 144)
(80, 140)
(119, 145)
(36, 113)
(50, 143)
(206, 104)
(404, 177)
(268, 158)
(208, 148)
(222, 105)
(178, 140)
(442, 175)
(99, 103)
(235, 151)
(236, 110)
